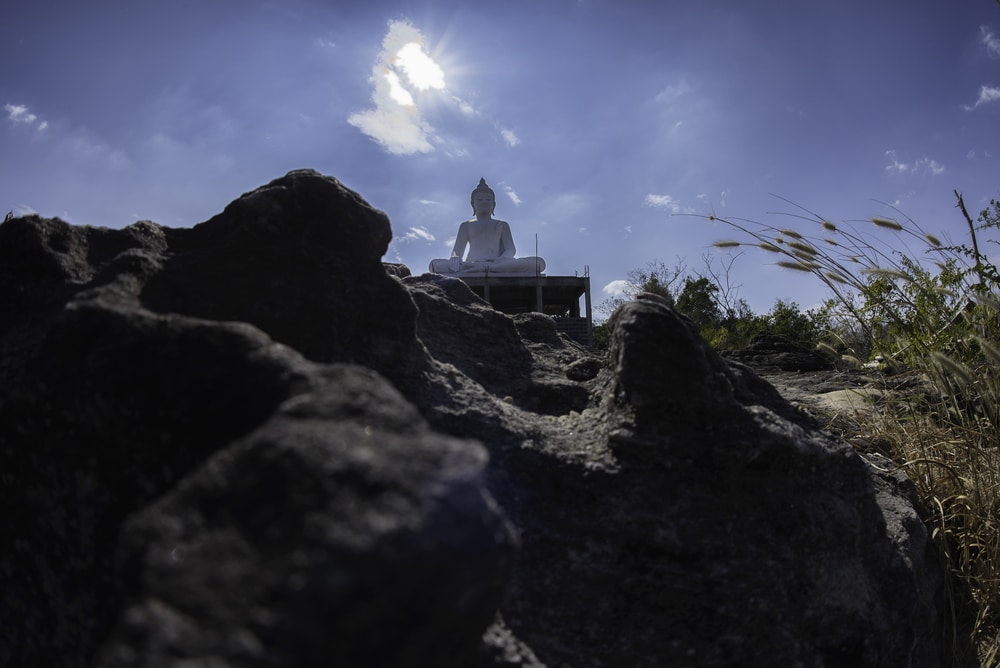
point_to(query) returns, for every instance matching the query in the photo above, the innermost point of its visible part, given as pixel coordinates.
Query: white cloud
(987, 94)
(395, 121)
(628, 228)
(895, 166)
(658, 201)
(19, 114)
(397, 92)
(923, 165)
(666, 202)
(419, 233)
(509, 137)
(616, 288)
(990, 41)
(928, 165)
(512, 195)
(465, 107)
(399, 130)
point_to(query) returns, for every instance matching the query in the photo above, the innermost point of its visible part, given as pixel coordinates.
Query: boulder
(523, 359)
(772, 352)
(370, 540)
(251, 443)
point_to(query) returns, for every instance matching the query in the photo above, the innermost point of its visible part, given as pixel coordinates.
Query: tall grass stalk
(934, 312)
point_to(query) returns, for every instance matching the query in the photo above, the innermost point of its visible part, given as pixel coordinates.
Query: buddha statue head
(483, 190)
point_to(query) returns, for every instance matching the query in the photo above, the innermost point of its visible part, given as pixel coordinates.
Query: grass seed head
(956, 370)
(887, 223)
(851, 360)
(986, 300)
(827, 349)
(894, 274)
(799, 266)
(835, 277)
(991, 351)
(802, 246)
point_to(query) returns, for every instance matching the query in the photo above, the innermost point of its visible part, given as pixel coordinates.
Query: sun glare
(403, 69)
(420, 69)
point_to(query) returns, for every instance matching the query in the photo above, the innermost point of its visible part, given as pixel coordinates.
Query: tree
(698, 302)
(788, 320)
(731, 305)
(656, 277)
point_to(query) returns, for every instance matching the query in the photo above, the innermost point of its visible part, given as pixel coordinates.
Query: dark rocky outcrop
(252, 444)
(772, 352)
(522, 359)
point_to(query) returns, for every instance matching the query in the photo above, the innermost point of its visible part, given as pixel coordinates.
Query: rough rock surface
(773, 353)
(249, 443)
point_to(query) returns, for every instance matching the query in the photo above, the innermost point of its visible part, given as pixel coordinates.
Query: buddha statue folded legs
(518, 265)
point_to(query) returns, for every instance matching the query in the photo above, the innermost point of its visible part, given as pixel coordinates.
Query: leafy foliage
(697, 300)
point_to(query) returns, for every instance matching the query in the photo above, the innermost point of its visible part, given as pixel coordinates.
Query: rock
(366, 527)
(463, 330)
(295, 258)
(396, 269)
(721, 531)
(773, 352)
(494, 350)
(252, 443)
(341, 490)
(584, 369)
(501, 648)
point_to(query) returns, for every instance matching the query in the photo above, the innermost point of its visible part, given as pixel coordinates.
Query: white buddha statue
(491, 247)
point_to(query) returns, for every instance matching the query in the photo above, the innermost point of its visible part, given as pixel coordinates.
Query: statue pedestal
(556, 296)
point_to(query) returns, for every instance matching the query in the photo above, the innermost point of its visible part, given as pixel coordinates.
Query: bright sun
(420, 69)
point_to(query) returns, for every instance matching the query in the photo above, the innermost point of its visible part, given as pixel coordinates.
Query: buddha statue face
(483, 199)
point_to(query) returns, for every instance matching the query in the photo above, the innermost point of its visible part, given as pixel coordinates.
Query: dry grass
(944, 326)
(957, 476)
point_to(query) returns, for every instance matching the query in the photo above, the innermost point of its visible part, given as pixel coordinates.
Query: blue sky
(599, 124)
